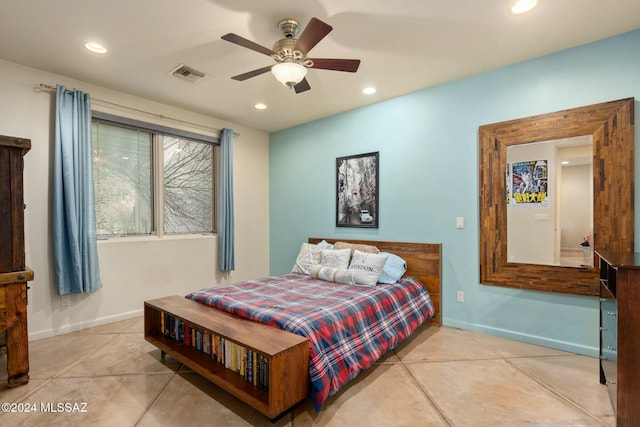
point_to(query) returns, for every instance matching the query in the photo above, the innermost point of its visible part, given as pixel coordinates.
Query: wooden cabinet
(285, 381)
(620, 333)
(14, 274)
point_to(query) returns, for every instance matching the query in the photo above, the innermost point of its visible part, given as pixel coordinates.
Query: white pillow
(330, 274)
(308, 256)
(336, 258)
(367, 267)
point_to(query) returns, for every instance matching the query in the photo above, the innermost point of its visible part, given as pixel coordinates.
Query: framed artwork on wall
(357, 190)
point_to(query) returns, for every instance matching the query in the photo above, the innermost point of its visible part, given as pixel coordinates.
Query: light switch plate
(459, 222)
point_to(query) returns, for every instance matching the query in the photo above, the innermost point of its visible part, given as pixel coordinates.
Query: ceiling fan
(290, 54)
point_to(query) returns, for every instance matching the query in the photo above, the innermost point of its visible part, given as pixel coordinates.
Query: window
(151, 181)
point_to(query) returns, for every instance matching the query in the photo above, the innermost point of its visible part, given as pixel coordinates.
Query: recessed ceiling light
(369, 90)
(95, 47)
(565, 162)
(523, 6)
(260, 106)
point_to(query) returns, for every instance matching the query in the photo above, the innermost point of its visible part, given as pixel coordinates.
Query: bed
(344, 339)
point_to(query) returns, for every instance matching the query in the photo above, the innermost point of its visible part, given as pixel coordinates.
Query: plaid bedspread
(349, 327)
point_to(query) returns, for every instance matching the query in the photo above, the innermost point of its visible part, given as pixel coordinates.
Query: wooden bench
(285, 354)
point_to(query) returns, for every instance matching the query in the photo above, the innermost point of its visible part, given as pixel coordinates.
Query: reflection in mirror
(611, 127)
(550, 202)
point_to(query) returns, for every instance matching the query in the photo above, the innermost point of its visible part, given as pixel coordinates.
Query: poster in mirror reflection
(527, 183)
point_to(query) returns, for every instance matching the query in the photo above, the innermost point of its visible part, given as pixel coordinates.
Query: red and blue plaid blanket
(348, 327)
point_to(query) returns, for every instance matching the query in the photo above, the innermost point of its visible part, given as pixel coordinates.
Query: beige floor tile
(133, 325)
(21, 392)
(110, 401)
(433, 343)
(191, 400)
(383, 396)
(390, 357)
(575, 377)
(125, 354)
(474, 379)
(609, 420)
(493, 393)
(50, 356)
(510, 348)
(110, 328)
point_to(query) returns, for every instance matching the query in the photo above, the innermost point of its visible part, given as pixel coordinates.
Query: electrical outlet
(65, 300)
(460, 296)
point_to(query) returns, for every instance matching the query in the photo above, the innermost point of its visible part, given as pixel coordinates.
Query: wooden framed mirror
(611, 125)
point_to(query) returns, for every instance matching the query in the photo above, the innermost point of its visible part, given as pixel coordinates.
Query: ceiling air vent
(187, 73)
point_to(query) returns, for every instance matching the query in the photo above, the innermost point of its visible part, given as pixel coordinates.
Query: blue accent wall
(428, 144)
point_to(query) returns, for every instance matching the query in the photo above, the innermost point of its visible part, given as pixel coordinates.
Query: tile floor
(440, 377)
(577, 258)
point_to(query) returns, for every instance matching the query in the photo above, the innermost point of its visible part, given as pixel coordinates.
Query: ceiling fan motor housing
(285, 51)
(289, 27)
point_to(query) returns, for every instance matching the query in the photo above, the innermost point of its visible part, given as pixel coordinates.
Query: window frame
(157, 167)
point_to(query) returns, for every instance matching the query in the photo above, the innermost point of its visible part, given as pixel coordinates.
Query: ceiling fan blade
(248, 75)
(241, 41)
(349, 65)
(302, 86)
(315, 31)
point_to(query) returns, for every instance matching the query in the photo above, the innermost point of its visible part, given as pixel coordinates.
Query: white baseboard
(33, 336)
(528, 338)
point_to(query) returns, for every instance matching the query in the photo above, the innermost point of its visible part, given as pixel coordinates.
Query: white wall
(131, 270)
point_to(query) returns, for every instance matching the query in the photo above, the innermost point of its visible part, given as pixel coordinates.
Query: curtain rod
(42, 87)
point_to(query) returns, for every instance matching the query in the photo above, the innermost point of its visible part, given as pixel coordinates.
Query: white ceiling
(404, 46)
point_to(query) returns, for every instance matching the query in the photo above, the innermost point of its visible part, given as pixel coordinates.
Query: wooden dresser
(14, 274)
(620, 333)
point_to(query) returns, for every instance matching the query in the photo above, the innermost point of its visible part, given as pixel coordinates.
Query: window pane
(122, 180)
(188, 186)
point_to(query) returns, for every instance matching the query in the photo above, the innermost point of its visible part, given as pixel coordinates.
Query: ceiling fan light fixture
(289, 73)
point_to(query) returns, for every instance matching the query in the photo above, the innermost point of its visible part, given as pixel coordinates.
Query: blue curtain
(74, 216)
(226, 257)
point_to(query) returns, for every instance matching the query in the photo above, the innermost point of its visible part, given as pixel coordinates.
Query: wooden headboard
(423, 263)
